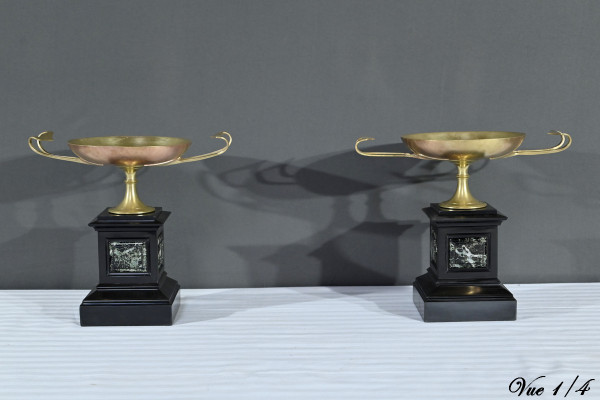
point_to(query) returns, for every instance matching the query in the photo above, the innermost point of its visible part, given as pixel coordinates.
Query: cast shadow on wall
(565, 181)
(349, 250)
(33, 177)
(43, 255)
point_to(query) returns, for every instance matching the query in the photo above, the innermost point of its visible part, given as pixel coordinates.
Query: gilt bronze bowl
(462, 149)
(130, 153)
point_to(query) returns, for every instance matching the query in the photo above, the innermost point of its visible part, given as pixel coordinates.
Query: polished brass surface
(131, 203)
(129, 150)
(48, 136)
(565, 143)
(130, 153)
(469, 146)
(462, 199)
(462, 149)
(226, 137)
(384, 153)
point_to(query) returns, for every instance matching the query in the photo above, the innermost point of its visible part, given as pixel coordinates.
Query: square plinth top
(442, 215)
(156, 218)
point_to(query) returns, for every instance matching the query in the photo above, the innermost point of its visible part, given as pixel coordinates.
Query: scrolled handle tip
(383, 153)
(364, 139)
(46, 136)
(226, 136)
(565, 143)
(559, 133)
(360, 140)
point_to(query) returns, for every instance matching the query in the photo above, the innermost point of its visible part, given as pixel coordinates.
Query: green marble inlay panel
(433, 245)
(161, 252)
(128, 256)
(468, 252)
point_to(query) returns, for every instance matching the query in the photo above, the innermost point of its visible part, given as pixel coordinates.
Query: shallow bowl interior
(470, 146)
(129, 150)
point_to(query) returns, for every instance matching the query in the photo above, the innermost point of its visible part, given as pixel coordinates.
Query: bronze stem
(462, 199)
(131, 203)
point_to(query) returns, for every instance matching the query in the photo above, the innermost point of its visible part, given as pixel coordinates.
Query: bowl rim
(91, 141)
(424, 136)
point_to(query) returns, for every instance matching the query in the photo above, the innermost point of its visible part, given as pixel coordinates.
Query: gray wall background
(296, 82)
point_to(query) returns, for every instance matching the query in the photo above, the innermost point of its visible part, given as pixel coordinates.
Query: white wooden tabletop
(301, 343)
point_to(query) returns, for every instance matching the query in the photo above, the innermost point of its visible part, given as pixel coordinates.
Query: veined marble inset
(128, 256)
(469, 252)
(161, 252)
(433, 245)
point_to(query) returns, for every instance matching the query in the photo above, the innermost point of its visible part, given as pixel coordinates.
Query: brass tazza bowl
(129, 150)
(130, 153)
(462, 149)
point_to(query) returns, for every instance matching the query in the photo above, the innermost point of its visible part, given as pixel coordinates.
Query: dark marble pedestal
(462, 283)
(133, 287)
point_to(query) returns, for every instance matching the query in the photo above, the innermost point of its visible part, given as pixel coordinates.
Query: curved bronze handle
(48, 137)
(388, 154)
(226, 137)
(565, 138)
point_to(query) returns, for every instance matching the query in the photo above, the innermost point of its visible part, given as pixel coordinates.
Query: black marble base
(467, 301)
(133, 287)
(122, 305)
(461, 283)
